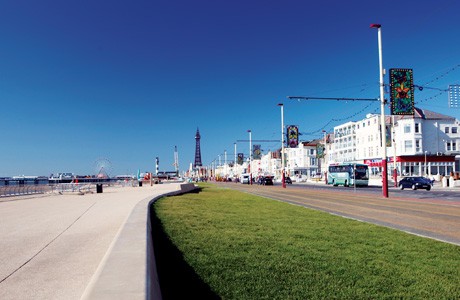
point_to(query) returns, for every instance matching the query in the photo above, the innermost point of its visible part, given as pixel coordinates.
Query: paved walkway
(52, 247)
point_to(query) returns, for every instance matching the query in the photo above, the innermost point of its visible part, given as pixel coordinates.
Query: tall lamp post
(324, 157)
(283, 177)
(250, 156)
(382, 119)
(234, 163)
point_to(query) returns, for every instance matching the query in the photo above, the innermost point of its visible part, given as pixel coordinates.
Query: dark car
(288, 180)
(267, 180)
(415, 183)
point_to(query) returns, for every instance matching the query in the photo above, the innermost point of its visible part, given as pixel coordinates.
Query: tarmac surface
(425, 216)
(53, 246)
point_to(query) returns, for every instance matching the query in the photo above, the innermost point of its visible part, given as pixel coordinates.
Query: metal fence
(18, 190)
(59, 188)
(72, 188)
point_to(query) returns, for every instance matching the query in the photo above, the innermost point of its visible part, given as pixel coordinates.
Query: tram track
(431, 218)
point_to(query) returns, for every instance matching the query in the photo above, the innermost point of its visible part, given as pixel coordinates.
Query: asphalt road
(434, 214)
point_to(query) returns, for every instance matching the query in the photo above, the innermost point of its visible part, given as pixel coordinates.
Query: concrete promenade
(72, 246)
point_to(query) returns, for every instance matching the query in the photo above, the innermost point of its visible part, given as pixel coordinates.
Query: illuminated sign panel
(402, 91)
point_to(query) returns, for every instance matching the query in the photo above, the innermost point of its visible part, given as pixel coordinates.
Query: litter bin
(140, 183)
(99, 188)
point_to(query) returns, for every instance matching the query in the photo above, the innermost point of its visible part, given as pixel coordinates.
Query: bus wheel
(345, 184)
(333, 183)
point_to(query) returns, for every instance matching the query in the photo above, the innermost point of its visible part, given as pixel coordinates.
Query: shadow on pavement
(177, 279)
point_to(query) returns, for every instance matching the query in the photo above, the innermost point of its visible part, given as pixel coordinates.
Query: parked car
(415, 182)
(267, 180)
(244, 178)
(288, 180)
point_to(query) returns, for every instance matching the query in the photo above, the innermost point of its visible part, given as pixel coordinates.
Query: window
(417, 128)
(454, 146)
(407, 128)
(417, 145)
(312, 151)
(448, 146)
(407, 146)
(454, 129)
(446, 130)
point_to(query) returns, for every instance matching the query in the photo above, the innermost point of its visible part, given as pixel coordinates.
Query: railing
(72, 188)
(18, 190)
(59, 188)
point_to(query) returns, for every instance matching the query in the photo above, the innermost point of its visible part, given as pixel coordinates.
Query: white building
(301, 162)
(344, 149)
(426, 143)
(423, 144)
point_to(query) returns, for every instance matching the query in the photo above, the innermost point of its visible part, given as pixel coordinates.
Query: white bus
(348, 174)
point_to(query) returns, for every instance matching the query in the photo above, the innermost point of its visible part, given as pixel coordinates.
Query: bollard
(99, 188)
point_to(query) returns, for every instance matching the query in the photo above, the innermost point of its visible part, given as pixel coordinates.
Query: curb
(128, 269)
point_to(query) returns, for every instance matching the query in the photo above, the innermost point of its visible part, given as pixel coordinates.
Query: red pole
(385, 178)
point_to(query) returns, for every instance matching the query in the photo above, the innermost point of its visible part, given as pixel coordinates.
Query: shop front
(416, 165)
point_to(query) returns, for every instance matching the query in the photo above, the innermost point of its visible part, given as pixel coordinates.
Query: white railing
(19, 190)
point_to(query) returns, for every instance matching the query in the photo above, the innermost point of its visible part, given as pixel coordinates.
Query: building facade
(425, 144)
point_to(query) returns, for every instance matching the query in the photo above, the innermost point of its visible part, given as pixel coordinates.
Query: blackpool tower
(197, 163)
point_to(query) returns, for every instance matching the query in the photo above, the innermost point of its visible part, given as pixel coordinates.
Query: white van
(244, 178)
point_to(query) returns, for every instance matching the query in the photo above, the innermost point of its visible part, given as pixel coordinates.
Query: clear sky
(127, 81)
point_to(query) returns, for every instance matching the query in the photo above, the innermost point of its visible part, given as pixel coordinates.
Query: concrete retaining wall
(129, 270)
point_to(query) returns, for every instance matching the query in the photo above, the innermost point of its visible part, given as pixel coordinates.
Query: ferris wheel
(102, 167)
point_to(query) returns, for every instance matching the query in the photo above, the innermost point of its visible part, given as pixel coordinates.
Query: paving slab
(51, 246)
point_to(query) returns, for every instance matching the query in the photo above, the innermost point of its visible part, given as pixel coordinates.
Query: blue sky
(129, 80)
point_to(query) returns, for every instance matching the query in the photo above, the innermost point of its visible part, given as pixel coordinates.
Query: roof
(426, 115)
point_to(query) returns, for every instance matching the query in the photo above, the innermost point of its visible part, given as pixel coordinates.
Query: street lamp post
(283, 177)
(234, 163)
(382, 119)
(250, 156)
(395, 165)
(324, 157)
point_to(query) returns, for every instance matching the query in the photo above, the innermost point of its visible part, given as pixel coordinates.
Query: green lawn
(247, 247)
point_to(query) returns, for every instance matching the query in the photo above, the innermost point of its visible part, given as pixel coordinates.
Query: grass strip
(248, 247)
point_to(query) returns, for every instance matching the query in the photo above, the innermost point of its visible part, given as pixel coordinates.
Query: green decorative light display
(402, 91)
(320, 150)
(256, 152)
(292, 136)
(240, 158)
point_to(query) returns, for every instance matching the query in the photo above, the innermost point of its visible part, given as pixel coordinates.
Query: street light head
(249, 130)
(375, 26)
(280, 104)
